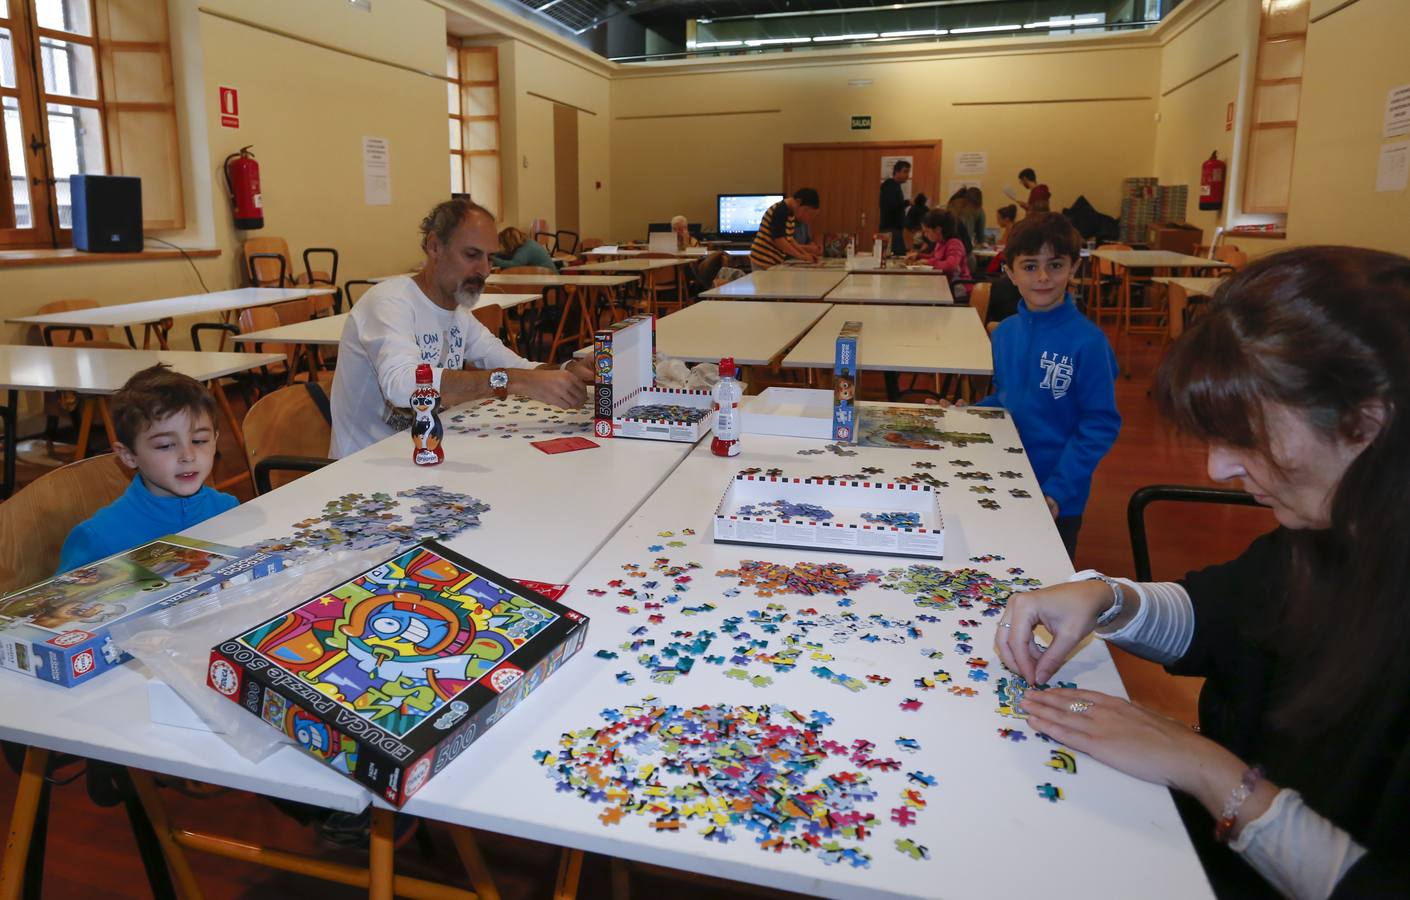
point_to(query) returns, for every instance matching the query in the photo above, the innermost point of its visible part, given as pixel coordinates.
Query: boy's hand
(1052, 506)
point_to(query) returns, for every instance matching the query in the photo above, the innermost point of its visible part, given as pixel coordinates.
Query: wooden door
(565, 168)
(847, 177)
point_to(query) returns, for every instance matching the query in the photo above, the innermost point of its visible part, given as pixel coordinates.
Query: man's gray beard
(468, 297)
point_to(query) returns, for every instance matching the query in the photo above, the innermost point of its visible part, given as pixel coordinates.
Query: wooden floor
(91, 852)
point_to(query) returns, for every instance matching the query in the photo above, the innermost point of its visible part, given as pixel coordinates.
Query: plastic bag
(175, 643)
(703, 377)
(671, 373)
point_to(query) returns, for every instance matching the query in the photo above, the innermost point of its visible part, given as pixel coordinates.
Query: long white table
(99, 372)
(328, 330)
(150, 312)
(755, 333)
(949, 340)
(779, 283)
(988, 830)
(627, 265)
(894, 289)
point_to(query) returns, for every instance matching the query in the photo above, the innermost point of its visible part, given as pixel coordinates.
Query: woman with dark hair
(1298, 782)
(948, 252)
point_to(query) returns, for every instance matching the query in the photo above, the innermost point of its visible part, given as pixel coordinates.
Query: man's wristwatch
(499, 383)
(1117, 598)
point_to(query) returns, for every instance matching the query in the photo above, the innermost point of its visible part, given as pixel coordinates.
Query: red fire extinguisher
(1211, 182)
(242, 177)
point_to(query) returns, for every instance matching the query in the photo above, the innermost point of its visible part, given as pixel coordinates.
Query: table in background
(644, 269)
(1164, 262)
(1179, 300)
(152, 312)
(581, 291)
(755, 333)
(983, 810)
(895, 289)
(778, 283)
(937, 340)
(99, 372)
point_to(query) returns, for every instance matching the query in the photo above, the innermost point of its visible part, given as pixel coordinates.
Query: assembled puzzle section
(58, 630)
(626, 400)
(814, 513)
(390, 675)
(844, 383)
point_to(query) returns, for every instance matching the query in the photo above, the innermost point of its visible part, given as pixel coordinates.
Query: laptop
(662, 242)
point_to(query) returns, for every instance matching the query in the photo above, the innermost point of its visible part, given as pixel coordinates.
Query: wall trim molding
(689, 115)
(1047, 100)
(561, 102)
(1333, 11)
(1196, 77)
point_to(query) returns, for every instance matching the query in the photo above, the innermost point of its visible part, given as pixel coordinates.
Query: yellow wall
(662, 166)
(1199, 78)
(1353, 57)
(528, 74)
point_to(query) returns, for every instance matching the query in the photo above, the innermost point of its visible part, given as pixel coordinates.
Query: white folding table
(755, 333)
(892, 289)
(779, 283)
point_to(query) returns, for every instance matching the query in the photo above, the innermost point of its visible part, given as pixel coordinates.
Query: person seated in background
(1297, 781)
(164, 423)
(948, 255)
(915, 215)
(963, 210)
(978, 225)
(680, 227)
(1007, 216)
(517, 250)
(775, 240)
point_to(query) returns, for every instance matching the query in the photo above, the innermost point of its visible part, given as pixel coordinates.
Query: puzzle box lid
(58, 629)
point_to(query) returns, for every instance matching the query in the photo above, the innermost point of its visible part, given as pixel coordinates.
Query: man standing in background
(893, 206)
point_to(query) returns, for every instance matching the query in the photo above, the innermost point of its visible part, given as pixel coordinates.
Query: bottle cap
(423, 373)
(727, 367)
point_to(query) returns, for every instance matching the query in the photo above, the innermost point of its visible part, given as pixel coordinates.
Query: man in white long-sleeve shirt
(426, 318)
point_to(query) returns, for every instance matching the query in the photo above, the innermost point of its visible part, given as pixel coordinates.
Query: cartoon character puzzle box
(57, 630)
(844, 381)
(390, 675)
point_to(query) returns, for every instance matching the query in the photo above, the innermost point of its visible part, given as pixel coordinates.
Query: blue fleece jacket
(1055, 373)
(135, 518)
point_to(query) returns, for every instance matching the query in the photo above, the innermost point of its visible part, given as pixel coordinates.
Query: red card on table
(564, 445)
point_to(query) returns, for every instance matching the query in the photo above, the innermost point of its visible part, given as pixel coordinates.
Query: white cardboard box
(790, 412)
(624, 359)
(845, 529)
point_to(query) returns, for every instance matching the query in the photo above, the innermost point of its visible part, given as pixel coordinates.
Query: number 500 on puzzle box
(390, 675)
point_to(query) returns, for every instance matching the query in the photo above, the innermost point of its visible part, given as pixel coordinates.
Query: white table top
(628, 265)
(108, 718)
(87, 370)
(901, 339)
(779, 284)
(921, 289)
(1195, 287)
(616, 250)
(864, 264)
(145, 311)
(527, 280)
(753, 332)
(1158, 259)
(983, 810)
(324, 330)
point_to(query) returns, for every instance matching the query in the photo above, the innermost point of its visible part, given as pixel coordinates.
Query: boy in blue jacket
(165, 429)
(1054, 371)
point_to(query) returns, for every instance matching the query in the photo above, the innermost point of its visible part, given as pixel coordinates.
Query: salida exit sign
(861, 123)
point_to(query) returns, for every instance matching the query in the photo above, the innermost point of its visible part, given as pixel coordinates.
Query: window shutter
(139, 104)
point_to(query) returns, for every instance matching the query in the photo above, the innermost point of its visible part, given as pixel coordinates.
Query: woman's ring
(1079, 706)
(1005, 624)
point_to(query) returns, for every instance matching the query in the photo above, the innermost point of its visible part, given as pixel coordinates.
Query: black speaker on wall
(107, 213)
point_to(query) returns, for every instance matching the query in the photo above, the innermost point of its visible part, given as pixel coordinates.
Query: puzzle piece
(912, 849)
(903, 816)
(910, 704)
(1049, 793)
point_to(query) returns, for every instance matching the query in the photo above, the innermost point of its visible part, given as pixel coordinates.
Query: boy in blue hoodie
(165, 429)
(1054, 371)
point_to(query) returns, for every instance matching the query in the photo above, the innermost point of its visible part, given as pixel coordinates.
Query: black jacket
(1358, 777)
(893, 206)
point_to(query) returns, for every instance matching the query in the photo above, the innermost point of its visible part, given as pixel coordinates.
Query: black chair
(1176, 493)
(347, 292)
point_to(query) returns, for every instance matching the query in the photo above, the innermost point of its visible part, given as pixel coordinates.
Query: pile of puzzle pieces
(362, 521)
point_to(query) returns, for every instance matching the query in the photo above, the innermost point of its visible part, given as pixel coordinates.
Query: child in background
(948, 254)
(165, 425)
(1007, 216)
(1054, 371)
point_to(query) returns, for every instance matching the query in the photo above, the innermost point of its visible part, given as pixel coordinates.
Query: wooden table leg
(474, 863)
(380, 853)
(28, 795)
(152, 805)
(85, 427)
(107, 415)
(570, 869)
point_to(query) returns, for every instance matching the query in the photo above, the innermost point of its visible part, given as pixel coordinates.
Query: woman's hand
(1068, 611)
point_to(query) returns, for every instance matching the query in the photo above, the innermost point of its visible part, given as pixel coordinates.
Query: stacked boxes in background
(1145, 203)
(1170, 202)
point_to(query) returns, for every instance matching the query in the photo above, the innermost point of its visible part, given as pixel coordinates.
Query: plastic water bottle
(727, 396)
(426, 430)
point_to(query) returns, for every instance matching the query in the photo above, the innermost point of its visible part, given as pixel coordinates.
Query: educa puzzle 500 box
(390, 675)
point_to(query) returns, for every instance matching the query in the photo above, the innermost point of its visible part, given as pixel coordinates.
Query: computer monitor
(740, 213)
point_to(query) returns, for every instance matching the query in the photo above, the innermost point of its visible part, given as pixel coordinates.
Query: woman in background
(516, 250)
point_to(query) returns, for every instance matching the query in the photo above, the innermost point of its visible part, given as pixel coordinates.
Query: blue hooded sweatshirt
(137, 517)
(1055, 373)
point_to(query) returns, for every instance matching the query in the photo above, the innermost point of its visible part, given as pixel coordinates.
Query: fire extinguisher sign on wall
(229, 107)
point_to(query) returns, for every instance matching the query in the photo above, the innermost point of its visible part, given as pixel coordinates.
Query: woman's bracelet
(1229, 816)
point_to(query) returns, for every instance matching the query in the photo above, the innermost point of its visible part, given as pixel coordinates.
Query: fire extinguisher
(242, 177)
(1211, 182)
